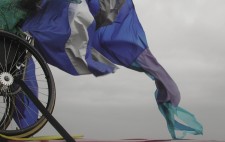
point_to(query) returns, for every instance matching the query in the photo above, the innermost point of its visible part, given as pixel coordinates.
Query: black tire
(20, 60)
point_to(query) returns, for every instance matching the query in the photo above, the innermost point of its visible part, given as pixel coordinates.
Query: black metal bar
(45, 112)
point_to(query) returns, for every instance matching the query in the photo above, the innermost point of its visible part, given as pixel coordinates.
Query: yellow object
(39, 138)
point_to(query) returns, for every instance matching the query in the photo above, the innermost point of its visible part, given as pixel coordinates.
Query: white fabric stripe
(76, 46)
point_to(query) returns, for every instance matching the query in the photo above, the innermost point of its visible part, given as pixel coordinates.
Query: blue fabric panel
(94, 6)
(26, 112)
(51, 30)
(97, 68)
(124, 39)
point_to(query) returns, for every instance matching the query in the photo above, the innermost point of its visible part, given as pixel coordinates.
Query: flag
(79, 43)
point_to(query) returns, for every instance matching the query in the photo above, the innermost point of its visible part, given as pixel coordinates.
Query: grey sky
(187, 38)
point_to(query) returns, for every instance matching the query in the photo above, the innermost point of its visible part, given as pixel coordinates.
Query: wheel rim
(18, 60)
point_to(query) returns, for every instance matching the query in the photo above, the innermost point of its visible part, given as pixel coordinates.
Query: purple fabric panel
(167, 89)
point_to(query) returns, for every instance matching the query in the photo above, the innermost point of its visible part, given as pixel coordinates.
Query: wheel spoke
(20, 56)
(14, 57)
(5, 56)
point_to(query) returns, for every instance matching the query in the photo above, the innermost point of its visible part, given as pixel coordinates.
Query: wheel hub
(6, 79)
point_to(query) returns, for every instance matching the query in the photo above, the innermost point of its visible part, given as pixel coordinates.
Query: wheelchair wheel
(19, 117)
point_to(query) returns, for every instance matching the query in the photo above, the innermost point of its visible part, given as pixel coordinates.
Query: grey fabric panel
(81, 66)
(100, 58)
(78, 63)
(76, 46)
(109, 10)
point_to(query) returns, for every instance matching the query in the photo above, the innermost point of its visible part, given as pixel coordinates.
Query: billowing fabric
(123, 41)
(61, 37)
(167, 96)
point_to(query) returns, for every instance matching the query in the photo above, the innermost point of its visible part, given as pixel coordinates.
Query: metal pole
(45, 112)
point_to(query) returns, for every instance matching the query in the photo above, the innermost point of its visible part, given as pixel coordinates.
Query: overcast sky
(187, 38)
